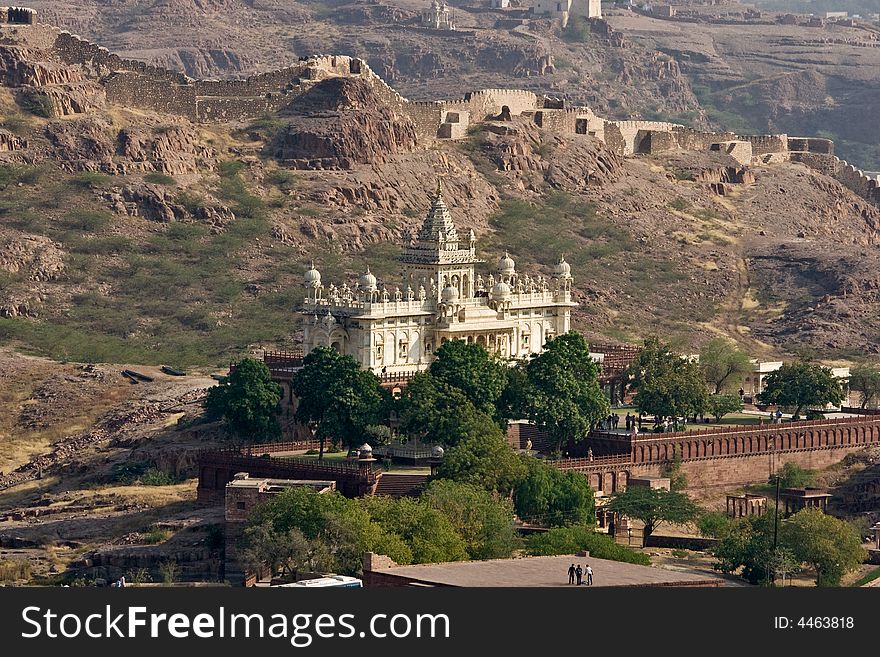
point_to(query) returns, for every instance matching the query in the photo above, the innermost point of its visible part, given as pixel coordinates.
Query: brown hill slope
(133, 236)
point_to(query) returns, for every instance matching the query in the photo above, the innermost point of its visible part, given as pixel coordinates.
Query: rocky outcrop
(156, 203)
(66, 99)
(20, 67)
(570, 163)
(9, 141)
(167, 149)
(340, 123)
(31, 257)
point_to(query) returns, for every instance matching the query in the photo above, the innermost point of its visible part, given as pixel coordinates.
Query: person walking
(589, 575)
(579, 573)
(571, 574)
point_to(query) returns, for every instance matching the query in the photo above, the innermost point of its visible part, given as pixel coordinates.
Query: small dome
(562, 268)
(365, 451)
(368, 281)
(506, 266)
(449, 294)
(312, 277)
(437, 452)
(501, 291)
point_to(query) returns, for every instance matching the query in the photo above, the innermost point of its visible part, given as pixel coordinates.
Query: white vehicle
(336, 580)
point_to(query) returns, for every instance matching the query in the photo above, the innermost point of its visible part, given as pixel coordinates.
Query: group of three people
(577, 574)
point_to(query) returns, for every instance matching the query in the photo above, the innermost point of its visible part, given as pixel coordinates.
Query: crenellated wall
(731, 457)
(843, 172)
(142, 85)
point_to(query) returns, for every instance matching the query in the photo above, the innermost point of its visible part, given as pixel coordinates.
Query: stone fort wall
(730, 458)
(145, 86)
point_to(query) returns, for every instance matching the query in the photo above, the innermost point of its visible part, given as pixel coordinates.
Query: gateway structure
(395, 331)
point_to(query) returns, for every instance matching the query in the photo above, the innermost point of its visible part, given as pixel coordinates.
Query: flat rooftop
(540, 571)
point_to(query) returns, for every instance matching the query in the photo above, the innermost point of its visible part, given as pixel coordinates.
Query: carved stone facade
(396, 332)
(438, 16)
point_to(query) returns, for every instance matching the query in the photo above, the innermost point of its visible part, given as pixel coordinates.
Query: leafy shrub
(89, 180)
(88, 221)
(38, 104)
(156, 535)
(281, 178)
(568, 540)
(156, 477)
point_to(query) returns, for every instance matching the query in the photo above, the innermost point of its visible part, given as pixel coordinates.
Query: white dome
(312, 277)
(368, 280)
(562, 268)
(506, 265)
(501, 291)
(449, 294)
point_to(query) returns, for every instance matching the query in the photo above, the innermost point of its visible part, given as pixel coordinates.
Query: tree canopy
(720, 405)
(554, 497)
(801, 384)
(723, 365)
(865, 380)
(561, 390)
(484, 520)
(247, 401)
(831, 546)
(568, 540)
(484, 460)
(339, 397)
(654, 506)
(472, 370)
(439, 413)
(667, 385)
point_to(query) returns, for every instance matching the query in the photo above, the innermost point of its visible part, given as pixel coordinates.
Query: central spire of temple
(438, 226)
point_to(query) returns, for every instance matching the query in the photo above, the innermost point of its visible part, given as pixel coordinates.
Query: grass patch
(159, 179)
(868, 578)
(156, 535)
(88, 180)
(87, 220)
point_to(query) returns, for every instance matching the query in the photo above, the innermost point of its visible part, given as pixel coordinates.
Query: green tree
(439, 413)
(801, 384)
(470, 368)
(341, 529)
(832, 547)
(666, 384)
(247, 401)
(654, 506)
(484, 459)
(720, 405)
(865, 380)
(568, 540)
(723, 365)
(483, 519)
(554, 497)
(339, 397)
(562, 393)
(791, 475)
(746, 546)
(429, 533)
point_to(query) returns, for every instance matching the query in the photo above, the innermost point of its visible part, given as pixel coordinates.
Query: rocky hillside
(135, 236)
(766, 77)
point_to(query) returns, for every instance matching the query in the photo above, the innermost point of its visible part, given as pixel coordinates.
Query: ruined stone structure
(438, 16)
(723, 458)
(563, 10)
(18, 15)
(396, 332)
(140, 85)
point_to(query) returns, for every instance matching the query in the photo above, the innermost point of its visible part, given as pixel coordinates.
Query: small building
(499, 4)
(792, 500)
(649, 481)
(742, 506)
(664, 11)
(438, 16)
(244, 494)
(563, 9)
